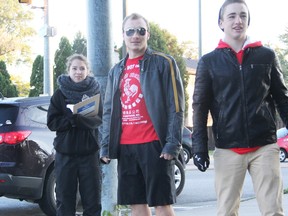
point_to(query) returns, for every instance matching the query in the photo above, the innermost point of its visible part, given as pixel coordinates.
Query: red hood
(248, 44)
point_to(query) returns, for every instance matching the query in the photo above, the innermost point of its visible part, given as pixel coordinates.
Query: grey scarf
(74, 92)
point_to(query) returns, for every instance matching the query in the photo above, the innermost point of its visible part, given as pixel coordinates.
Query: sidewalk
(247, 208)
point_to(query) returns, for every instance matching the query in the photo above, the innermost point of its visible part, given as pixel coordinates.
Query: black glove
(201, 160)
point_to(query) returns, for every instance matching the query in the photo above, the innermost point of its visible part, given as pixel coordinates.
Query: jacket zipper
(243, 98)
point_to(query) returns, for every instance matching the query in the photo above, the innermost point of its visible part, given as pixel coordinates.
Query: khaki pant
(264, 168)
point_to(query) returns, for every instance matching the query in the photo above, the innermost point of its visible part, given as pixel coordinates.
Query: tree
(157, 39)
(14, 32)
(283, 59)
(190, 49)
(36, 79)
(8, 89)
(80, 44)
(61, 55)
(283, 54)
(23, 88)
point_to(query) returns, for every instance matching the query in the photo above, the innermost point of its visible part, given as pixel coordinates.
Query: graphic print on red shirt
(137, 127)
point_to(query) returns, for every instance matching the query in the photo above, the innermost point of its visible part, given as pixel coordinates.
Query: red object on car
(282, 141)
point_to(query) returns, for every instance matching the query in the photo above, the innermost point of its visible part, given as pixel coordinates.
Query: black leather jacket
(241, 99)
(162, 88)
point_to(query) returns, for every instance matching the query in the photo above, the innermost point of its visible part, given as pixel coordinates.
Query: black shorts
(144, 177)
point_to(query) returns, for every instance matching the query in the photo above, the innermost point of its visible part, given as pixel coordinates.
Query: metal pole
(200, 30)
(124, 15)
(99, 54)
(48, 75)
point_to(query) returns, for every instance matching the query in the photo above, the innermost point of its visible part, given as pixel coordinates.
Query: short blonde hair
(135, 16)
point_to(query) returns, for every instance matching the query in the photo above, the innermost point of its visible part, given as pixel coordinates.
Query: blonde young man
(142, 122)
(240, 83)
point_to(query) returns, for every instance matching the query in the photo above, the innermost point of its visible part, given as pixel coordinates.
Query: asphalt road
(198, 191)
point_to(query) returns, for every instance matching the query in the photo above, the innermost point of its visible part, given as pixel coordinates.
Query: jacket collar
(147, 54)
(248, 44)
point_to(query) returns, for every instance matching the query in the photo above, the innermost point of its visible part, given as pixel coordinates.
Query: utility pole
(48, 74)
(124, 5)
(99, 54)
(200, 30)
(47, 33)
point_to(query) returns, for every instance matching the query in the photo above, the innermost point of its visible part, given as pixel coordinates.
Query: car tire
(179, 177)
(48, 201)
(282, 155)
(187, 155)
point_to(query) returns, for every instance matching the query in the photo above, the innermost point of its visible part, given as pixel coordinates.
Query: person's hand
(201, 160)
(166, 156)
(105, 160)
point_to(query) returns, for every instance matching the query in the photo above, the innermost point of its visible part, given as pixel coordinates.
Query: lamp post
(200, 30)
(100, 54)
(124, 5)
(47, 32)
(48, 73)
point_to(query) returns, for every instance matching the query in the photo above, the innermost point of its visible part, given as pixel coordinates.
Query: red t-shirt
(137, 126)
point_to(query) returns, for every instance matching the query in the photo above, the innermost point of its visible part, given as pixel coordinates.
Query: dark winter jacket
(162, 88)
(75, 134)
(241, 98)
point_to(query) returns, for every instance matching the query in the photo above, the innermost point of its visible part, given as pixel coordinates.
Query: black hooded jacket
(75, 134)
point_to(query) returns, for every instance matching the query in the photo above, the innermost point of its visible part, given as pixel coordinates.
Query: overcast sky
(179, 17)
(269, 19)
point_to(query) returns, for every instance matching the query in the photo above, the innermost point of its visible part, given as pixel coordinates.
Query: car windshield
(282, 132)
(36, 115)
(8, 114)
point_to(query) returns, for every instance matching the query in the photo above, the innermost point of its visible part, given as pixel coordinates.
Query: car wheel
(48, 201)
(186, 155)
(282, 155)
(179, 177)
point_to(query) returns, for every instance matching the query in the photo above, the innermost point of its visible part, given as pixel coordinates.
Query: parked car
(282, 141)
(187, 144)
(27, 153)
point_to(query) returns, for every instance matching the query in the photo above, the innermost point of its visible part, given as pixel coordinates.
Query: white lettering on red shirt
(137, 126)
